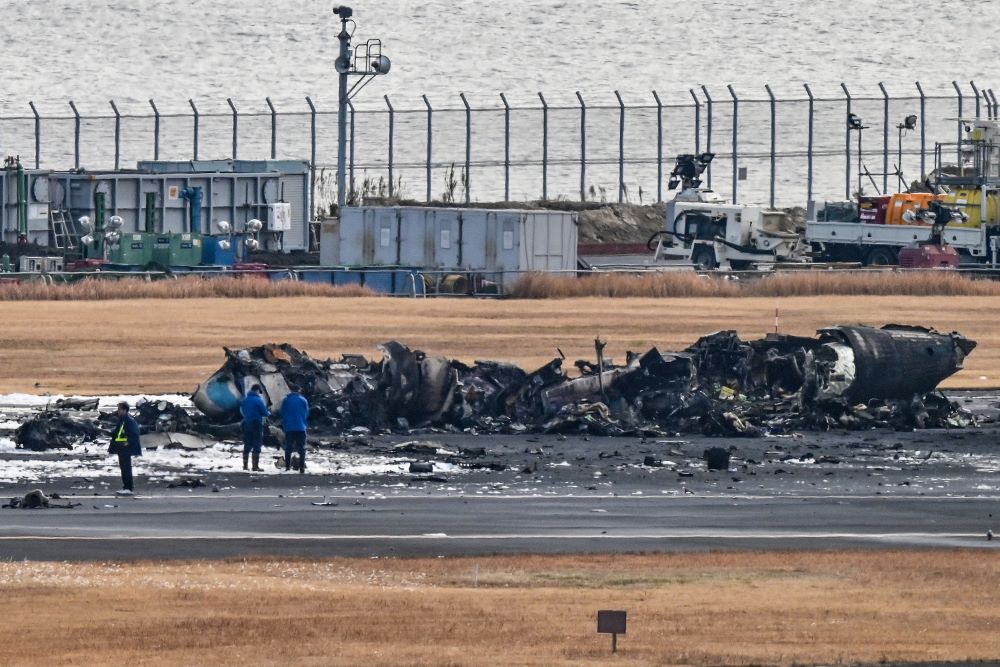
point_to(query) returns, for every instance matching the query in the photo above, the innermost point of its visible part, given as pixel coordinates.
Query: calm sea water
(208, 50)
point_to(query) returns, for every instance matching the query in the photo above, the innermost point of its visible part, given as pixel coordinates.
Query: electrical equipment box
(279, 217)
(134, 249)
(39, 264)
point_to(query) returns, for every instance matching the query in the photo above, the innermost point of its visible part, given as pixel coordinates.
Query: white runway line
(523, 536)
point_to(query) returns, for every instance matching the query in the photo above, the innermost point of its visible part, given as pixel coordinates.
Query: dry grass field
(161, 345)
(692, 609)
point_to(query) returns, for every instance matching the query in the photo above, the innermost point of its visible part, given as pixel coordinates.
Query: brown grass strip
(693, 609)
(187, 287)
(673, 284)
(160, 345)
(684, 284)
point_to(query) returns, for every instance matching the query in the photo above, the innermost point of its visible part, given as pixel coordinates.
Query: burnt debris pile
(68, 422)
(849, 377)
(55, 429)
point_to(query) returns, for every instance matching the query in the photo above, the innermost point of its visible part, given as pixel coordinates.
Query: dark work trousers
(295, 441)
(253, 436)
(125, 463)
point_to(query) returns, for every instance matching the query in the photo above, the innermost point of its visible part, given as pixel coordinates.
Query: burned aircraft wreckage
(848, 377)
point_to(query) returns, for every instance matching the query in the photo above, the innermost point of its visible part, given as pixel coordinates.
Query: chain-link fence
(770, 148)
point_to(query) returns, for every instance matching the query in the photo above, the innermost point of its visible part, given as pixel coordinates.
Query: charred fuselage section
(847, 377)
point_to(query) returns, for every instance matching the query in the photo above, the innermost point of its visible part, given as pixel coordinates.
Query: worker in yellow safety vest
(125, 443)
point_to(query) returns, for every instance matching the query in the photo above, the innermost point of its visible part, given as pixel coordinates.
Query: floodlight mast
(343, 67)
(373, 64)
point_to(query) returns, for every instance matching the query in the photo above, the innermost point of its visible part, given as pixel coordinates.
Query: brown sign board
(611, 622)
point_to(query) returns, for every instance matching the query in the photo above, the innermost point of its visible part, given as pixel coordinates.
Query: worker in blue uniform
(294, 416)
(254, 411)
(125, 443)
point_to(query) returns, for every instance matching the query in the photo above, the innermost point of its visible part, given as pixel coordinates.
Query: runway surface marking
(519, 536)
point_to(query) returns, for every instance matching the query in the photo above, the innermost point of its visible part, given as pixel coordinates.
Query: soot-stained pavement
(514, 493)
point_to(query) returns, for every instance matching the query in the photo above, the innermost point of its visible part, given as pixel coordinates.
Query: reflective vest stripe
(121, 437)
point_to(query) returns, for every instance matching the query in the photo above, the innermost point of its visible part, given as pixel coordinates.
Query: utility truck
(873, 230)
(704, 230)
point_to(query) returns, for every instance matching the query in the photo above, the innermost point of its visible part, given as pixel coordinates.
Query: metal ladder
(64, 236)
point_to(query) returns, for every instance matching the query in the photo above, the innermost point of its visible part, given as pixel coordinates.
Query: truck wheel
(740, 264)
(704, 259)
(881, 257)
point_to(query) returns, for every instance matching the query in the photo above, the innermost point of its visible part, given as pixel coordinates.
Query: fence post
(708, 130)
(118, 133)
(809, 145)
(885, 138)
(975, 91)
(312, 153)
(350, 168)
(506, 148)
(659, 147)
(196, 120)
(274, 128)
(621, 148)
(545, 147)
(76, 136)
(392, 129)
(996, 111)
(236, 123)
(468, 148)
(697, 121)
(774, 134)
(923, 132)
(583, 147)
(958, 144)
(38, 135)
(736, 125)
(156, 130)
(847, 144)
(430, 127)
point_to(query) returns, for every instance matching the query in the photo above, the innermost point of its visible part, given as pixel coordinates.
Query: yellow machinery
(970, 202)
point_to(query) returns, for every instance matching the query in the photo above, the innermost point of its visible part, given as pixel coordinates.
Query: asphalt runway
(209, 525)
(519, 494)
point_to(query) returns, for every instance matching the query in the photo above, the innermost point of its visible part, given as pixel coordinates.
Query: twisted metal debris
(850, 377)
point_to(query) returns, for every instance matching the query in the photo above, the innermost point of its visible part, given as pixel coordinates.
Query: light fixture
(224, 226)
(252, 244)
(381, 65)
(910, 122)
(116, 222)
(254, 225)
(854, 122)
(85, 223)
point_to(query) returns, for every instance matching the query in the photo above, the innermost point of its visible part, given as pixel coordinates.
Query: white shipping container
(467, 239)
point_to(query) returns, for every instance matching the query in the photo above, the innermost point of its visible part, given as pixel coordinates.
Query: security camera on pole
(373, 63)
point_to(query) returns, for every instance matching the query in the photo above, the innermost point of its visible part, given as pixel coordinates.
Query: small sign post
(612, 623)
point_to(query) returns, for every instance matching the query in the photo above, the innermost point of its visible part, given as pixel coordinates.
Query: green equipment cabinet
(177, 249)
(135, 249)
